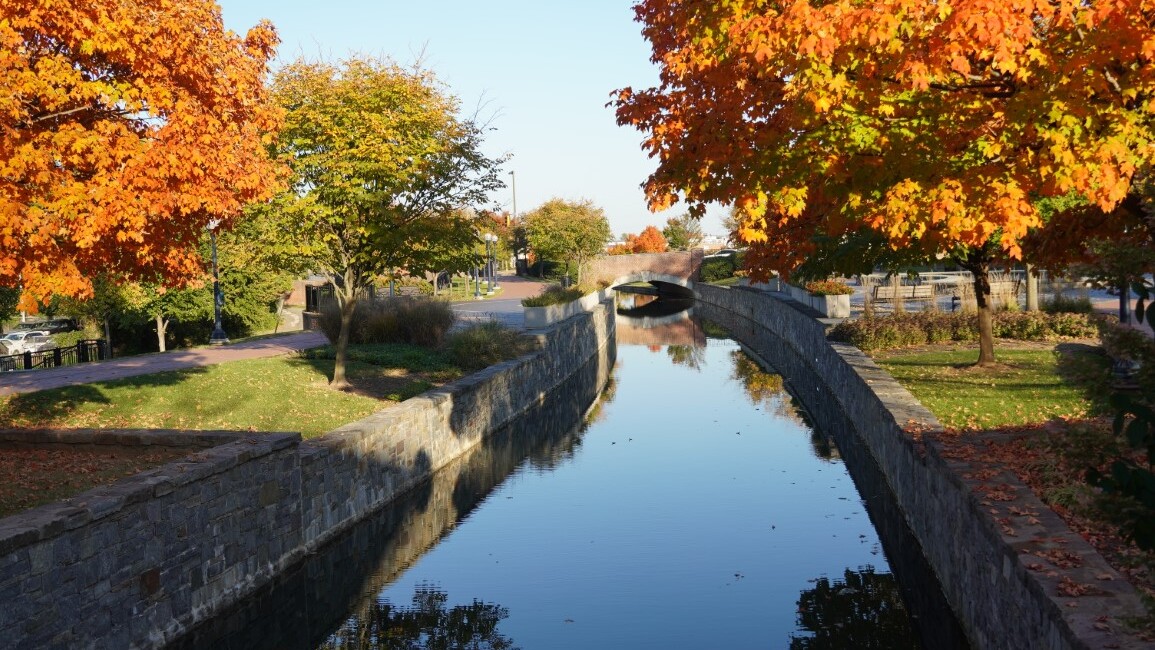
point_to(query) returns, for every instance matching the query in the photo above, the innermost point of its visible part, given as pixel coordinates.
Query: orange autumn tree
(935, 125)
(125, 127)
(650, 240)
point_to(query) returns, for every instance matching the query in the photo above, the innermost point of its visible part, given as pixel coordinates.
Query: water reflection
(337, 587)
(685, 509)
(690, 356)
(657, 322)
(428, 623)
(863, 610)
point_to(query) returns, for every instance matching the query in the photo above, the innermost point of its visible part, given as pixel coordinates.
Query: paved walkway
(505, 309)
(145, 364)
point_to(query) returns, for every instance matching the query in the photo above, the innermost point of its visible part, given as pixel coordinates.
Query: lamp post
(476, 282)
(489, 240)
(493, 260)
(218, 337)
(513, 186)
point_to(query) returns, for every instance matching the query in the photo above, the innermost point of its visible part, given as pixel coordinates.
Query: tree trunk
(1124, 302)
(347, 304)
(108, 337)
(161, 326)
(896, 285)
(280, 312)
(983, 302)
(1032, 289)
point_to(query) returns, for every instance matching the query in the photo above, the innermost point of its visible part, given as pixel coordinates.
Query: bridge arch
(665, 283)
(671, 273)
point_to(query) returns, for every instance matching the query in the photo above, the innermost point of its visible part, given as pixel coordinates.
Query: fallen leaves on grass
(33, 477)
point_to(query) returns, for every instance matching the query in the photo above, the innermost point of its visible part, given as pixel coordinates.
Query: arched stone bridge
(670, 273)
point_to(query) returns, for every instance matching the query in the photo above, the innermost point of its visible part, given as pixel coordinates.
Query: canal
(690, 506)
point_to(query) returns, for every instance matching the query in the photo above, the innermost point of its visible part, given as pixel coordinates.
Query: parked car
(23, 341)
(52, 326)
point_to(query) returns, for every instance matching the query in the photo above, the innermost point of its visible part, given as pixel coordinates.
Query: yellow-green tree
(380, 162)
(567, 231)
(683, 232)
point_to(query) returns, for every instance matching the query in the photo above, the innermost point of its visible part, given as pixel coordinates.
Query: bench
(890, 293)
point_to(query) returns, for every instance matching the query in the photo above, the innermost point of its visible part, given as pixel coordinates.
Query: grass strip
(1026, 386)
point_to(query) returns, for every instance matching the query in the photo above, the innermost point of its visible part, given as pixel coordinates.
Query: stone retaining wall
(140, 563)
(990, 572)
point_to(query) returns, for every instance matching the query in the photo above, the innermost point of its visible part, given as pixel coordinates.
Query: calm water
(694, 509)
(690, 506)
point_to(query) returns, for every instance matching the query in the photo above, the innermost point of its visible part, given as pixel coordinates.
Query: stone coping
(541, 317)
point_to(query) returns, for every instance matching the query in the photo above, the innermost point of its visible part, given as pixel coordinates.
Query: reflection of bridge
(671, 273)
(645, 325)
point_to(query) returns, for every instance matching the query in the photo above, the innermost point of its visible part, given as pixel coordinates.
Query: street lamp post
(493, 260)
(476, 282)
(513, 186)
(489, 238)
(218, 337)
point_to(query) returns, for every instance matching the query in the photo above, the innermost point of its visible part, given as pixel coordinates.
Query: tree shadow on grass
(383, 382)
(47, 407)
(1087, 368)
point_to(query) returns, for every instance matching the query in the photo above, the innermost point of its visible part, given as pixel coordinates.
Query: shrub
(556, 295)
(880, 333)
(717, 269)
(1081, 325)
(1027, 326)
(406, 285)
(70, 339)
(1062, 304)
(546, 269)
(485, 344)
(419, 321)
(900, 330)
(829, 288)
(1128, 344)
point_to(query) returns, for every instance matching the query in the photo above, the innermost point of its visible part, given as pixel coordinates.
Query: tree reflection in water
(426, 625)
(690, 356)
(864, 610)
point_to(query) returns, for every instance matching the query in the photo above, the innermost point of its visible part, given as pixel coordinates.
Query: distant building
(713, 243)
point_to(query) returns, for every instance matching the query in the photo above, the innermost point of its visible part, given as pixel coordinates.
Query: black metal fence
(82, 352)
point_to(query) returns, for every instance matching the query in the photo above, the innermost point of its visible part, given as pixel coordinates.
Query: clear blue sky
(543, 71)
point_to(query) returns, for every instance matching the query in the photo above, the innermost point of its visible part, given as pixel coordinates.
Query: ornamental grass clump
(419, 321)
(486, 344)
(829, 288)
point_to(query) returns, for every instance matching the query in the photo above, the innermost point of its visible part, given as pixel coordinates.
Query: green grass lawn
(1027, 385)
(276, 394)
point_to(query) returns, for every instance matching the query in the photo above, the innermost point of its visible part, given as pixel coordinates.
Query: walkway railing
(82, 352)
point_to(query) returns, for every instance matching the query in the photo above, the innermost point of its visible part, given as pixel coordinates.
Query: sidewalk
(29, 381)
(505, 309)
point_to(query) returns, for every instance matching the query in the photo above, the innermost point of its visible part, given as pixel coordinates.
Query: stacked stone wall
(140, 563)
(983, 568)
